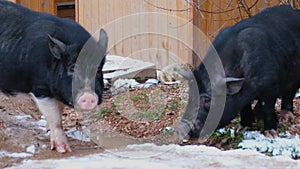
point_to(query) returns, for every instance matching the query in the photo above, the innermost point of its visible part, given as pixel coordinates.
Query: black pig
(260, 57)
(38, 52)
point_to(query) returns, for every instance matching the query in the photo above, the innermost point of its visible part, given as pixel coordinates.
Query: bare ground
(22, 132)
(138, 113)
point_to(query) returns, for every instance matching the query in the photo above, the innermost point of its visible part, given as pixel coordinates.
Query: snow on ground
(132, 83)
(14, 155)
(167, 157)
(285, 145)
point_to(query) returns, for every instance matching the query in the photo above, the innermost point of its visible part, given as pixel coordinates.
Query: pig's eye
(70, 69)
(205, 101)
(207, 105)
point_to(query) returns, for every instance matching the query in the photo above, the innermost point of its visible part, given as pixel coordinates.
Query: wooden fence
(48, 6)
(160, 31)
(215, 15)
(142, 29)
(171, 37)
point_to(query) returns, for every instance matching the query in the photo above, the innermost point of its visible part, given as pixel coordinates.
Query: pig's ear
(103, 40)
(234, 85)
(188, 75)
(57, 47)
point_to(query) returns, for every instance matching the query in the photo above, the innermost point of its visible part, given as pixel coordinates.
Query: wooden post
(77, 10)
(196, 22)
(53, 7)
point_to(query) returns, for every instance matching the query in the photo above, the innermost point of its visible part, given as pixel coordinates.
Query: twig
(223, 11)
(167, 9)
(245, 7)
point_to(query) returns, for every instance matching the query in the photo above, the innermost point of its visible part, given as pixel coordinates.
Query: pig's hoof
(2, 124)
(61, 148)
(162, 139)
(286, 117)
(173, 136)
(61, 145)
(242, 128)
(271, 133)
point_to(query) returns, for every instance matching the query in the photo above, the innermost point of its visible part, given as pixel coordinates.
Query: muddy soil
(23, 129)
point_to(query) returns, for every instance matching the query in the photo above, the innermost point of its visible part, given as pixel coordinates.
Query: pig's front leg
(52, 109)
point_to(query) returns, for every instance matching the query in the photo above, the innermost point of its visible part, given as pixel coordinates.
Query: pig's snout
(87, 101)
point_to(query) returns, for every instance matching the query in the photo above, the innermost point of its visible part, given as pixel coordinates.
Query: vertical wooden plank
(162, 39)
(23, 2)
(189, 35)
(153, 37)
(86, 15)
(89, 7)
(127, 28)
(53, 7)
(215, 6)
(111, 30)
(204, 21)
(94, 18)
(143, 27)
(172, 26)
(182, 24)
(77, 13)
(135, 23)
(48, 6)
(118, 12)
(209, 22)
(102, 13)
(200, 23)
(80, 12)
(225, 19)
(34, 5)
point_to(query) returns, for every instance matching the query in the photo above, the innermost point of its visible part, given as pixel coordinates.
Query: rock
(117, 67)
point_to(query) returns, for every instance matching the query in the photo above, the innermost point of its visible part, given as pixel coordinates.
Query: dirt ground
(22, 132)
(137, 113)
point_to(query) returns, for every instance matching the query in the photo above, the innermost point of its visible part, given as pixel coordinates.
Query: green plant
(151, 114)
(173, 105)
(140, 97)
(107, 110)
